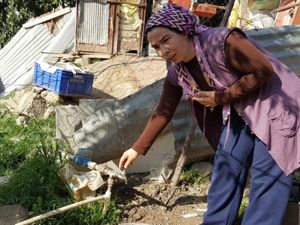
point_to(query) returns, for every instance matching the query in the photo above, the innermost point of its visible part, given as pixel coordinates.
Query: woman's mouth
(172, 58)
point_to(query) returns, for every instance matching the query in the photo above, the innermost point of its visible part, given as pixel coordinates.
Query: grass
(296, 176)
(31, 157)
(242, 210)
(193, 177)
(17, 143)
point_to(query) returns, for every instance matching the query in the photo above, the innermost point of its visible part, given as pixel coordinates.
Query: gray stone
(70, 118)
(26, 103)
(22, 121)
(52, 98)
(37, 89)
(114, 128)
(32, 102)
(12, 214)
(32, 105)
(4, 179)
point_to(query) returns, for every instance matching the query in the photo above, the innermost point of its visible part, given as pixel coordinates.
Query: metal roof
(282, 42)
(17, 57)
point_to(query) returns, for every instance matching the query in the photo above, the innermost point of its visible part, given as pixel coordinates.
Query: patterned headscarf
(174, 17)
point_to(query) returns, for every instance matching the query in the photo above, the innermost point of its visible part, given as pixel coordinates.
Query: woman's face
(170, 45)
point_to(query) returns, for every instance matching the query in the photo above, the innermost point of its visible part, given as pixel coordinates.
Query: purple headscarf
(175, 17)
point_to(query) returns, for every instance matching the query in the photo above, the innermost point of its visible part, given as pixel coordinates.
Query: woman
(229, 78)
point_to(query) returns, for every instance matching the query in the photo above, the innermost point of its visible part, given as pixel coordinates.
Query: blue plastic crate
(64, 82)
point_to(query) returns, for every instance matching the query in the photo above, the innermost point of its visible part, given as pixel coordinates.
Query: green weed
(192, 177)
(18, 142)
(29, 155)
(242, 210)
(36, 185)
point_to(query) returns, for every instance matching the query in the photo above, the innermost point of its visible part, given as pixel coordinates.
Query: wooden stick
(227, 13)
(182, 159)
(47, 17)
(183, 156)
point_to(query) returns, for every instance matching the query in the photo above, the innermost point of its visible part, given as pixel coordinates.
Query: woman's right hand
(127, 158)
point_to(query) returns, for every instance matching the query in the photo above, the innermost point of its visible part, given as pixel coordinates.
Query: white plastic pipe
(106, 196)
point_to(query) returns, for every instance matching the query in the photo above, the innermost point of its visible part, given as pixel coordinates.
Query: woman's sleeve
(242, 56)
(163, 113)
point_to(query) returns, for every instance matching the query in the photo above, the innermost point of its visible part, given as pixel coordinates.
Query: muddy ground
(156, 203)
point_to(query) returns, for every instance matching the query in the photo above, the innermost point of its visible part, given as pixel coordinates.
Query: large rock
(12, 214)
(32, 102)
(26, 103)
(70, 118)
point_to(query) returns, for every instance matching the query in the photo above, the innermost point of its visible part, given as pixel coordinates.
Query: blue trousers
(269, 186)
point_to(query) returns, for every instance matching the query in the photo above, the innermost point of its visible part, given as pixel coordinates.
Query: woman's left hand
(206, 98)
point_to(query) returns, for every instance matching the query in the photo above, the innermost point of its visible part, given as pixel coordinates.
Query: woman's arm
(163, 113)
(244, 57)
(168, 102)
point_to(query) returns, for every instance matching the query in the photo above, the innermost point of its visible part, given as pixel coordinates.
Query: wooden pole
(183, 156)
(227, 13)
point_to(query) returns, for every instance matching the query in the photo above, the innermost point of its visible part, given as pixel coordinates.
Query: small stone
(4, 179)
(52, 98)
(38, 90)
(22, 121)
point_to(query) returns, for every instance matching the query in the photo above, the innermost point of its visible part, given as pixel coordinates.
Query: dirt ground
(156, 203)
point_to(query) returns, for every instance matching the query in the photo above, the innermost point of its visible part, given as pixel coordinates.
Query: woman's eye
(165, 40)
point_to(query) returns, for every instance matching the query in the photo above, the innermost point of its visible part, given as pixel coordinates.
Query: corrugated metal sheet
(282, 42)
(114, 127)
(18, 56)
(94, 22)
